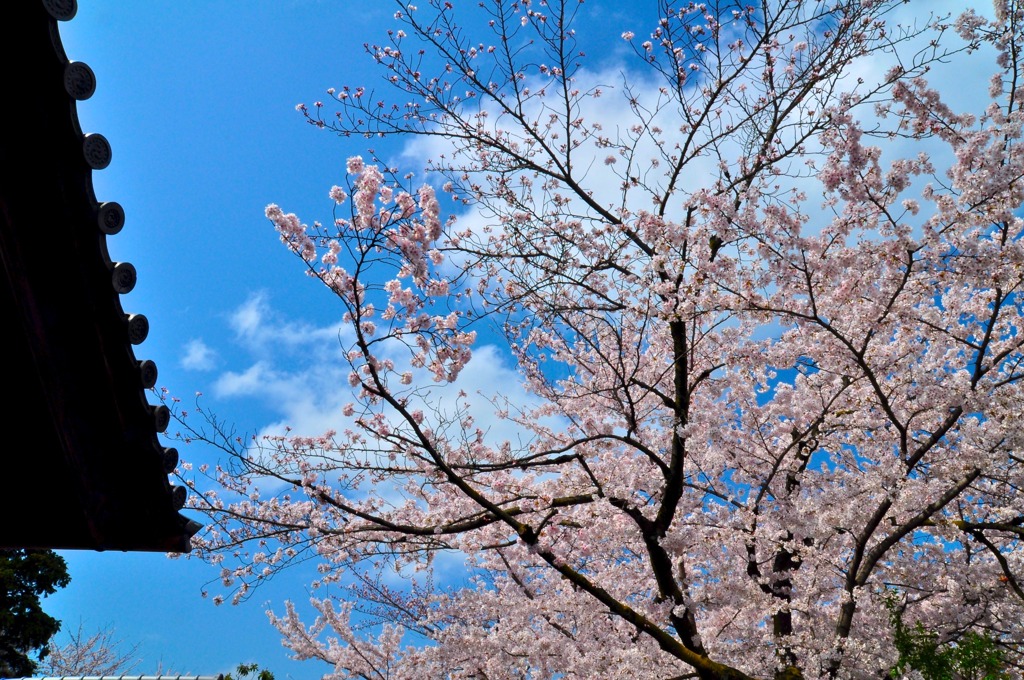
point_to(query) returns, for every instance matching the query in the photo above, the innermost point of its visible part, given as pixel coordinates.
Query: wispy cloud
(298, 372)
(198, 356)
(261, 329)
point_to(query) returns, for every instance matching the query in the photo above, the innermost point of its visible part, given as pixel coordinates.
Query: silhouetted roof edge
(81, 440)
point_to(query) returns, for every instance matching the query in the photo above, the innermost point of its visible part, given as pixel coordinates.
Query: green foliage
(25, 575)
(971, 657)
(244, 670)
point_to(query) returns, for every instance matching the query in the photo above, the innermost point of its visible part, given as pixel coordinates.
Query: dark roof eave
(83, 436)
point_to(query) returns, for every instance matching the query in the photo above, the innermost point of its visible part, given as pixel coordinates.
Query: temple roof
(82, 463)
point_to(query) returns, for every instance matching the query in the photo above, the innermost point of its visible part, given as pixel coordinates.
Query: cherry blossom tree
(761, 286)
(101, 653)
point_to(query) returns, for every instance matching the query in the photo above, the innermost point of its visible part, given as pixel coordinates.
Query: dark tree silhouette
(25, 575)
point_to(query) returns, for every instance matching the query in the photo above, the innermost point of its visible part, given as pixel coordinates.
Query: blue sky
(198, 102)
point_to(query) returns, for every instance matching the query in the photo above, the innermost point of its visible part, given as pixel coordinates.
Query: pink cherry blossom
(769, 339)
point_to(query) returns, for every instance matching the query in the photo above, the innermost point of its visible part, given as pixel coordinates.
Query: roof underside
(83, 467)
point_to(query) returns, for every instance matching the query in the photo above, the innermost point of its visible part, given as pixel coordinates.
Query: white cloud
(963, 81)
(198, 356)
(261, 330)
(245, 384)
(297, 371)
